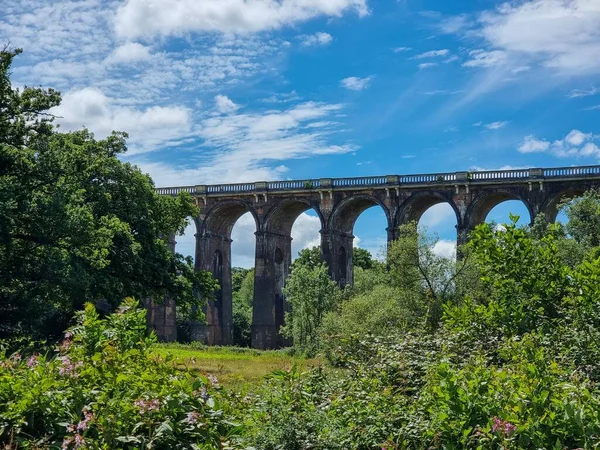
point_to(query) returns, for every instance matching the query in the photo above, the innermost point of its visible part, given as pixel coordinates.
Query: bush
(103, 389)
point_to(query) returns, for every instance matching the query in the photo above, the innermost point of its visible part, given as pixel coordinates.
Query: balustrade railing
(292, 184)
(581, 171)
(359, 181)
(500, 174)
(238, 187)
(392, 180)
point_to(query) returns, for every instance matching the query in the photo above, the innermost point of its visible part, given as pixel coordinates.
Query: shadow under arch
(481, 206)
(347, 211)
(550, 205)
(221, 218)
(413, 208)
(282, 216)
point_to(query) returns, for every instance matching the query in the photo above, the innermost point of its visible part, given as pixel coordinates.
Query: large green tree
(76, 223)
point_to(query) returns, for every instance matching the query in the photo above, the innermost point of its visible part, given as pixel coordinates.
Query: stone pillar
(160, 315)
(336, 251)
(213, 254)
(272, 265)
(392, 234)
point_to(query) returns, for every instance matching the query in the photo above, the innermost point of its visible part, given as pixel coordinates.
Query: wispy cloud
(319, 38)
(432, 54)
(401, 49)
(356, 83)
(426, 65)
(579, 93)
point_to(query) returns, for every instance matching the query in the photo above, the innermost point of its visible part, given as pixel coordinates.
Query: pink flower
(32, 361)
(146, 406)
(503, 427)
(69, 368)
(192, 417)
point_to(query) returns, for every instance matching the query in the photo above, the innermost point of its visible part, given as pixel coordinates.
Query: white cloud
(492, 125)
(578, 93)
(130, 52)
(532, 145)
(445, 248)
(427, 65)
(147, 128)
(576, 144)
(437, 217)
(592, 108)
(249, 146)
(318, 38)
(147, 18)
(284, 97)
(496, 125)
(576, 137)
(401, 49)
(560, 34)
(356, 83)
(482, 58)
(433, 54)
(224, 104)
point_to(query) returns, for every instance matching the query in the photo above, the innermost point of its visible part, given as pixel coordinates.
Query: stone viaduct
(338, 202)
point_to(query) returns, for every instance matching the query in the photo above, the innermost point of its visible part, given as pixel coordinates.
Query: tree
(584, 218)
(243, 297)
(76, 223)
(311, 257)
(311, 293)
(414, 266)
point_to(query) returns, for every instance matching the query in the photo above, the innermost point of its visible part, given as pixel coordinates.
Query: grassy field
(234, 367)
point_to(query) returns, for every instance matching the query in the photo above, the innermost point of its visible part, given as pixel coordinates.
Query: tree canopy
(76, 223)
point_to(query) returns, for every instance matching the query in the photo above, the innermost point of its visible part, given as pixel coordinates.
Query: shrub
(103, 389)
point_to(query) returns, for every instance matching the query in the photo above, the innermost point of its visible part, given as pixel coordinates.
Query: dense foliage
(510, 361)
(103, 389)
(76, 223)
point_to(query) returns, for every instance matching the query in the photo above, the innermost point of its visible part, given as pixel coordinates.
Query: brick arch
(413, 208)
(550, 205)
(481, 206)
(221, 218)
(281, 217)
(346, 212)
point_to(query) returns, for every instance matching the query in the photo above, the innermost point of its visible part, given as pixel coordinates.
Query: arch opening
(501, 212)
(551, 207)
(497, 208)
(440, 222)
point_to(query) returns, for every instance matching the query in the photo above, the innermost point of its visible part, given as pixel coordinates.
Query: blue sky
(236, 90)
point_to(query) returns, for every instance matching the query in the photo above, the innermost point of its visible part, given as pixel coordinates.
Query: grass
(240, 369)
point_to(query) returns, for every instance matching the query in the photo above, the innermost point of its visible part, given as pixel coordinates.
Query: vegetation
(104, 389)
(497, 349)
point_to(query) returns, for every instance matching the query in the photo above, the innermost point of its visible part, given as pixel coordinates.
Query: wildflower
(503, 426)
(32, 361)
(68, 368)
(192, 417)
(87, 417)
(202, 393)
(213, 380)
(16, 357)
(146, 406)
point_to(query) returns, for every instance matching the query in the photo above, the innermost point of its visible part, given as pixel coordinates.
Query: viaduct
(338, 202)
